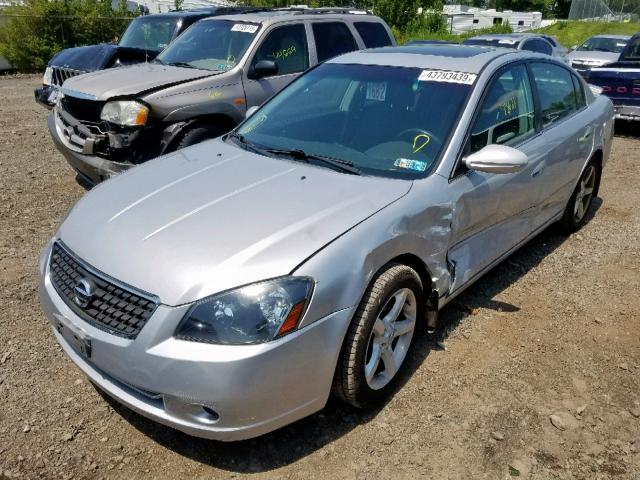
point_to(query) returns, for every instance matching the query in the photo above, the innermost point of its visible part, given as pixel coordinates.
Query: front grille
(60, 74)
(81, 109)
(113, 307)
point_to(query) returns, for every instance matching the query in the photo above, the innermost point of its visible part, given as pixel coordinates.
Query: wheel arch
(175, 131)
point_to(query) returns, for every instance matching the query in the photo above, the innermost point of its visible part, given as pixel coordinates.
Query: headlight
(126, 112)
(47, 78)
(257, 313)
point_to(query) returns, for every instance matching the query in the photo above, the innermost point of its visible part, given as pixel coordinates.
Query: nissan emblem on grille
(83, 292)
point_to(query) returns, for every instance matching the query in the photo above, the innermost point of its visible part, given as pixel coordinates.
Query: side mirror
(251, 111)
(497, 159)
(264, 68)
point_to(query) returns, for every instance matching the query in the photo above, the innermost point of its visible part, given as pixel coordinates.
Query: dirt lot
(551, 333)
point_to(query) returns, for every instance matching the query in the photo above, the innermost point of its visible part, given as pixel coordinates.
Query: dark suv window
(373, 34)
(287, 46)
(507, 115)
(539, 46)
(332, 39)
(556, 91)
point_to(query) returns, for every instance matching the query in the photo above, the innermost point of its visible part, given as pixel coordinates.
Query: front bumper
(623, 112)
(91, 169)
(45, 96)
(218, 392)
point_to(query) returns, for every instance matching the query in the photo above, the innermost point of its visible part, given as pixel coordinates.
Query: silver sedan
(229, 288)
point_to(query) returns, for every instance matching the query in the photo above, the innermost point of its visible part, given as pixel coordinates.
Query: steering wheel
(421, 138)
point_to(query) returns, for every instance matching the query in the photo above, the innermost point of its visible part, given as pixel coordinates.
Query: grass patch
(574, 33)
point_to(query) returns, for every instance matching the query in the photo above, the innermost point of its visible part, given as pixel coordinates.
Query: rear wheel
(380, 337)
(575, 214)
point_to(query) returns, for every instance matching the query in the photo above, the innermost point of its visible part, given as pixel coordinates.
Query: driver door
(287, 46)
(493, 212)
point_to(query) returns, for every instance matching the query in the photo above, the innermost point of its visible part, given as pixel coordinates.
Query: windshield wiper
(298, 154)
(245, 143)
(181, 64)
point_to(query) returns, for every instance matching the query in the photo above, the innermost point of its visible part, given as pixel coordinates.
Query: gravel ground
(536, 372)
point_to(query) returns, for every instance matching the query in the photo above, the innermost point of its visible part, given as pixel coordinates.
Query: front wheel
(380, 337)
(575, 214)
(198, 134)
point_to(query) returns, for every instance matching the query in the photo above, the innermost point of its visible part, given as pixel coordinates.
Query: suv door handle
(585, 136)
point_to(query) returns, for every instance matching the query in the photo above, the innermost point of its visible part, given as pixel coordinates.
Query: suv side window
(507, 115)
(287, 47)
(332, 39)
(539, 46)
(373, 34)
(556, 91)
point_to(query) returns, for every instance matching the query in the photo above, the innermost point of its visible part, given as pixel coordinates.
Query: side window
(507, 115)
(287, 47)
(556, 91)
(373, 34)
(332, 39)
(538, 46)
(581, 100)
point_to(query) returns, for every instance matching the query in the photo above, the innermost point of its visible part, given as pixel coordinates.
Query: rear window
(332, 39)
(373, 34)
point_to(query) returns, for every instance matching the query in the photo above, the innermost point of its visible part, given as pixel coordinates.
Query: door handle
(538, 170)
(585, 136)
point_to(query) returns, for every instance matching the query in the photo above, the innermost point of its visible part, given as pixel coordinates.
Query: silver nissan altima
(229, 288)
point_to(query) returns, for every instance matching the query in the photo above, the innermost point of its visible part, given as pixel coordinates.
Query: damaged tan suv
(200, 86)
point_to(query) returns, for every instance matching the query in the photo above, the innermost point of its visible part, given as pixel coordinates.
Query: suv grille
(81, 109)
(112, 307)
(60, 74)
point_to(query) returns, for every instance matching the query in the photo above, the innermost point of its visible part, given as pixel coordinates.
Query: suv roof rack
(304, 10)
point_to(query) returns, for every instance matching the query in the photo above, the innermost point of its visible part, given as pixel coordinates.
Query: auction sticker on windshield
(244, 27)
(447, 76)
(377, 91)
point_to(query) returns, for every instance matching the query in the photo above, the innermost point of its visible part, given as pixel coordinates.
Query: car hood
(213, 217)
(86, 59)
(605, 57)
(131, 80)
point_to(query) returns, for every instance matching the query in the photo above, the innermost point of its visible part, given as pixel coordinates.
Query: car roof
(277, 15)
(507, 36)
(460, 58)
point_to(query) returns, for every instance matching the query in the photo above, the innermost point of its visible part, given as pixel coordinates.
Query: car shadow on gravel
(304, 437)
(627, 129)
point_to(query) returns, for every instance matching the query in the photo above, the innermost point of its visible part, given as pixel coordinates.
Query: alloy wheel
(585, 193)
(390, 338)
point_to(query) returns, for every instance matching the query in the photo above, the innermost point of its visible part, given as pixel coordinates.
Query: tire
(575, 214)
(197, 134)
(359, 380)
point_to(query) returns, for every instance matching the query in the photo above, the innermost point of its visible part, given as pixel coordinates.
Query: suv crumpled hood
(132, 80)
(213, 217)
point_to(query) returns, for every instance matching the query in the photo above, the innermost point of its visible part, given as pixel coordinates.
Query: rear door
(566, 132)
(287, 46)
(493, 212)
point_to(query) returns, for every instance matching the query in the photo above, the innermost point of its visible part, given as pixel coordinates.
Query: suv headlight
(125, 112)
(257, 313)
(47, 78)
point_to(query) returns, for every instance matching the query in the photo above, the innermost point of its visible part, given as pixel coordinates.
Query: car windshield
(210, 45)
(149, 33)
(378, 120)
(603, 44)
(493, 42)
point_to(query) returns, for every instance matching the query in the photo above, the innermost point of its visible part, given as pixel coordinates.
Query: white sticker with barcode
(447, 77)
(244, 27)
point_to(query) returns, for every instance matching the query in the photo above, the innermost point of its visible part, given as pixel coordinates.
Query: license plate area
(78, 339)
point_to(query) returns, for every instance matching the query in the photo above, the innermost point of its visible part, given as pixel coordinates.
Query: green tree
(33, 32)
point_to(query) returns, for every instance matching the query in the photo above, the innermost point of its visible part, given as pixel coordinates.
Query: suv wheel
(379, 337)
(197, 134)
